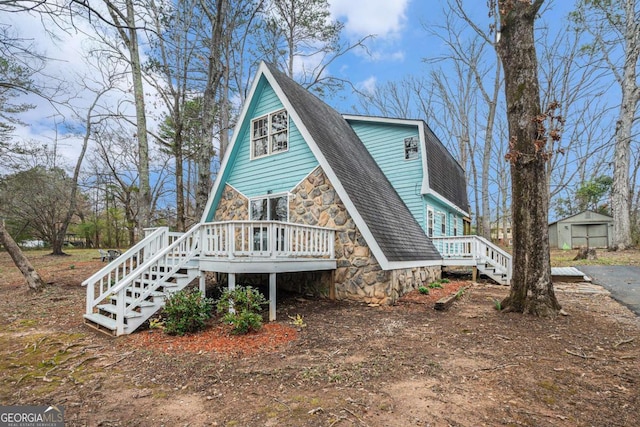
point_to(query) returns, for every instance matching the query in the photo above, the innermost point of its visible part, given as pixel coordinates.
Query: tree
(591, 195)
(34, 281)
(299, 37)
(615, 27)
(39, 198)
(531, 289)
(214, 72)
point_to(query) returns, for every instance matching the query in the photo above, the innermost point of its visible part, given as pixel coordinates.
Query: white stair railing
(162, 265)
(121, 267)
(475, 248)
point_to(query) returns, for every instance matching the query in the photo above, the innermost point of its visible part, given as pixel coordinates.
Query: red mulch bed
(434, 294)
(218, 339)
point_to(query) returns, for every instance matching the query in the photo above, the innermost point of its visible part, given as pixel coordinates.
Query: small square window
(411, 148)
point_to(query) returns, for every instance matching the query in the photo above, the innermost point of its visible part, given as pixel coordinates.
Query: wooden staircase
(476, 251)
(135, 285)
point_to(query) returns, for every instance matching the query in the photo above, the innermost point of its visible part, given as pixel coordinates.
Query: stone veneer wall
(233, 206)
(358, 277)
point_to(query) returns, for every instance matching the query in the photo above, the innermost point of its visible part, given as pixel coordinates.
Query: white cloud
(383, 18)
(368, 85)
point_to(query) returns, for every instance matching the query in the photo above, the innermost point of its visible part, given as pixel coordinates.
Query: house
(586, 228)
(351, 207)
(501, 233)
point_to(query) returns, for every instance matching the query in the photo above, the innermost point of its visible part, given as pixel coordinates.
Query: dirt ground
(349, 365)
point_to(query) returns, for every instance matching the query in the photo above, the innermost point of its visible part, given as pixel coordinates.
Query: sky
(399, 48)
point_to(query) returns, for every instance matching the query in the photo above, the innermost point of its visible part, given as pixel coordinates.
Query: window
(429, 222)
(411, 148)
(454, 219)
(270, 208)
(270, 134)
(443, 223)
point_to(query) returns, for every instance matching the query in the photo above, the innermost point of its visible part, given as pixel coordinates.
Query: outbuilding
(586, 228)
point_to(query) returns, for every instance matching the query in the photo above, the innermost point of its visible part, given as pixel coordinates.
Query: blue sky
(402, 43)
(398, 49)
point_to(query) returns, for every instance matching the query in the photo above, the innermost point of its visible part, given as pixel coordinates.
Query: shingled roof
(379, 210)
(446, 176)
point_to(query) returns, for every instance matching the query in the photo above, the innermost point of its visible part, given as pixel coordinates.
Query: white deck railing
(273, 239)
(474, 248)
(162, 254)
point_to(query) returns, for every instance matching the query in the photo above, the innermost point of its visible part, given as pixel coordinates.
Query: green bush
(247, 304)
(186, 311)
(423, 290)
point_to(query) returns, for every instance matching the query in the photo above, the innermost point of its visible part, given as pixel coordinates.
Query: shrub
(435, 285)
(247, 304)
(186, 311)
(423, 290)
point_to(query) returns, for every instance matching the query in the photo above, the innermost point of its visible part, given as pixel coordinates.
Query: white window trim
(431, 213)
(417, 151)
(270, 151)
(443, 223)
(269, 196)
(454, 220)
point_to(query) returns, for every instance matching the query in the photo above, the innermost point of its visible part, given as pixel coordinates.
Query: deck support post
(474, 273)
(232, 287)
(332, 285)
(202, 283)
(272, 297)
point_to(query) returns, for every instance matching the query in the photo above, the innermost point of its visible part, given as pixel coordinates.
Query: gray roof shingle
(395, 230)
(446, 176)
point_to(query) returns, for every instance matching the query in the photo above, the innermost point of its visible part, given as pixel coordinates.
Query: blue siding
(276, 173)
(443, 211)
(385, 142)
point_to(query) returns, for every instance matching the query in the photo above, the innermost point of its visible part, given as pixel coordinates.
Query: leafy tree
(531, 287)
(591, 195)
(39, 199)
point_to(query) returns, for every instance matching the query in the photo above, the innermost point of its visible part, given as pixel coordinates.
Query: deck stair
(133, 287)
(476, 251)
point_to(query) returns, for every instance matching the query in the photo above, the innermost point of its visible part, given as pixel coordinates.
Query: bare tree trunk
(128, 34)
(214, 75)
(531, 288)
(486, 155)
(30, 274)
(620, 194)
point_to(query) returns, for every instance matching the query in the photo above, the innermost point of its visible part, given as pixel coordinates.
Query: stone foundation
(358, 276)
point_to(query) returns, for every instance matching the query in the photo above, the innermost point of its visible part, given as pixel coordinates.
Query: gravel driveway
(622, 281)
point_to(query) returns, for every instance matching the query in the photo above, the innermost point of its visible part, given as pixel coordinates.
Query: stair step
(111, 308)
(129, 301)
(100, 322)
(140, 291)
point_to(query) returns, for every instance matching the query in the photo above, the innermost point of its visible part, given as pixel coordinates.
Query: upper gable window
(411, 148)
(270, 134)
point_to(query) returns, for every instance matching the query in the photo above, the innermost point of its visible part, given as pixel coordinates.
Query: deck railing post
(231, 236)
(272, 243)
(90, 298)
(120, 306)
